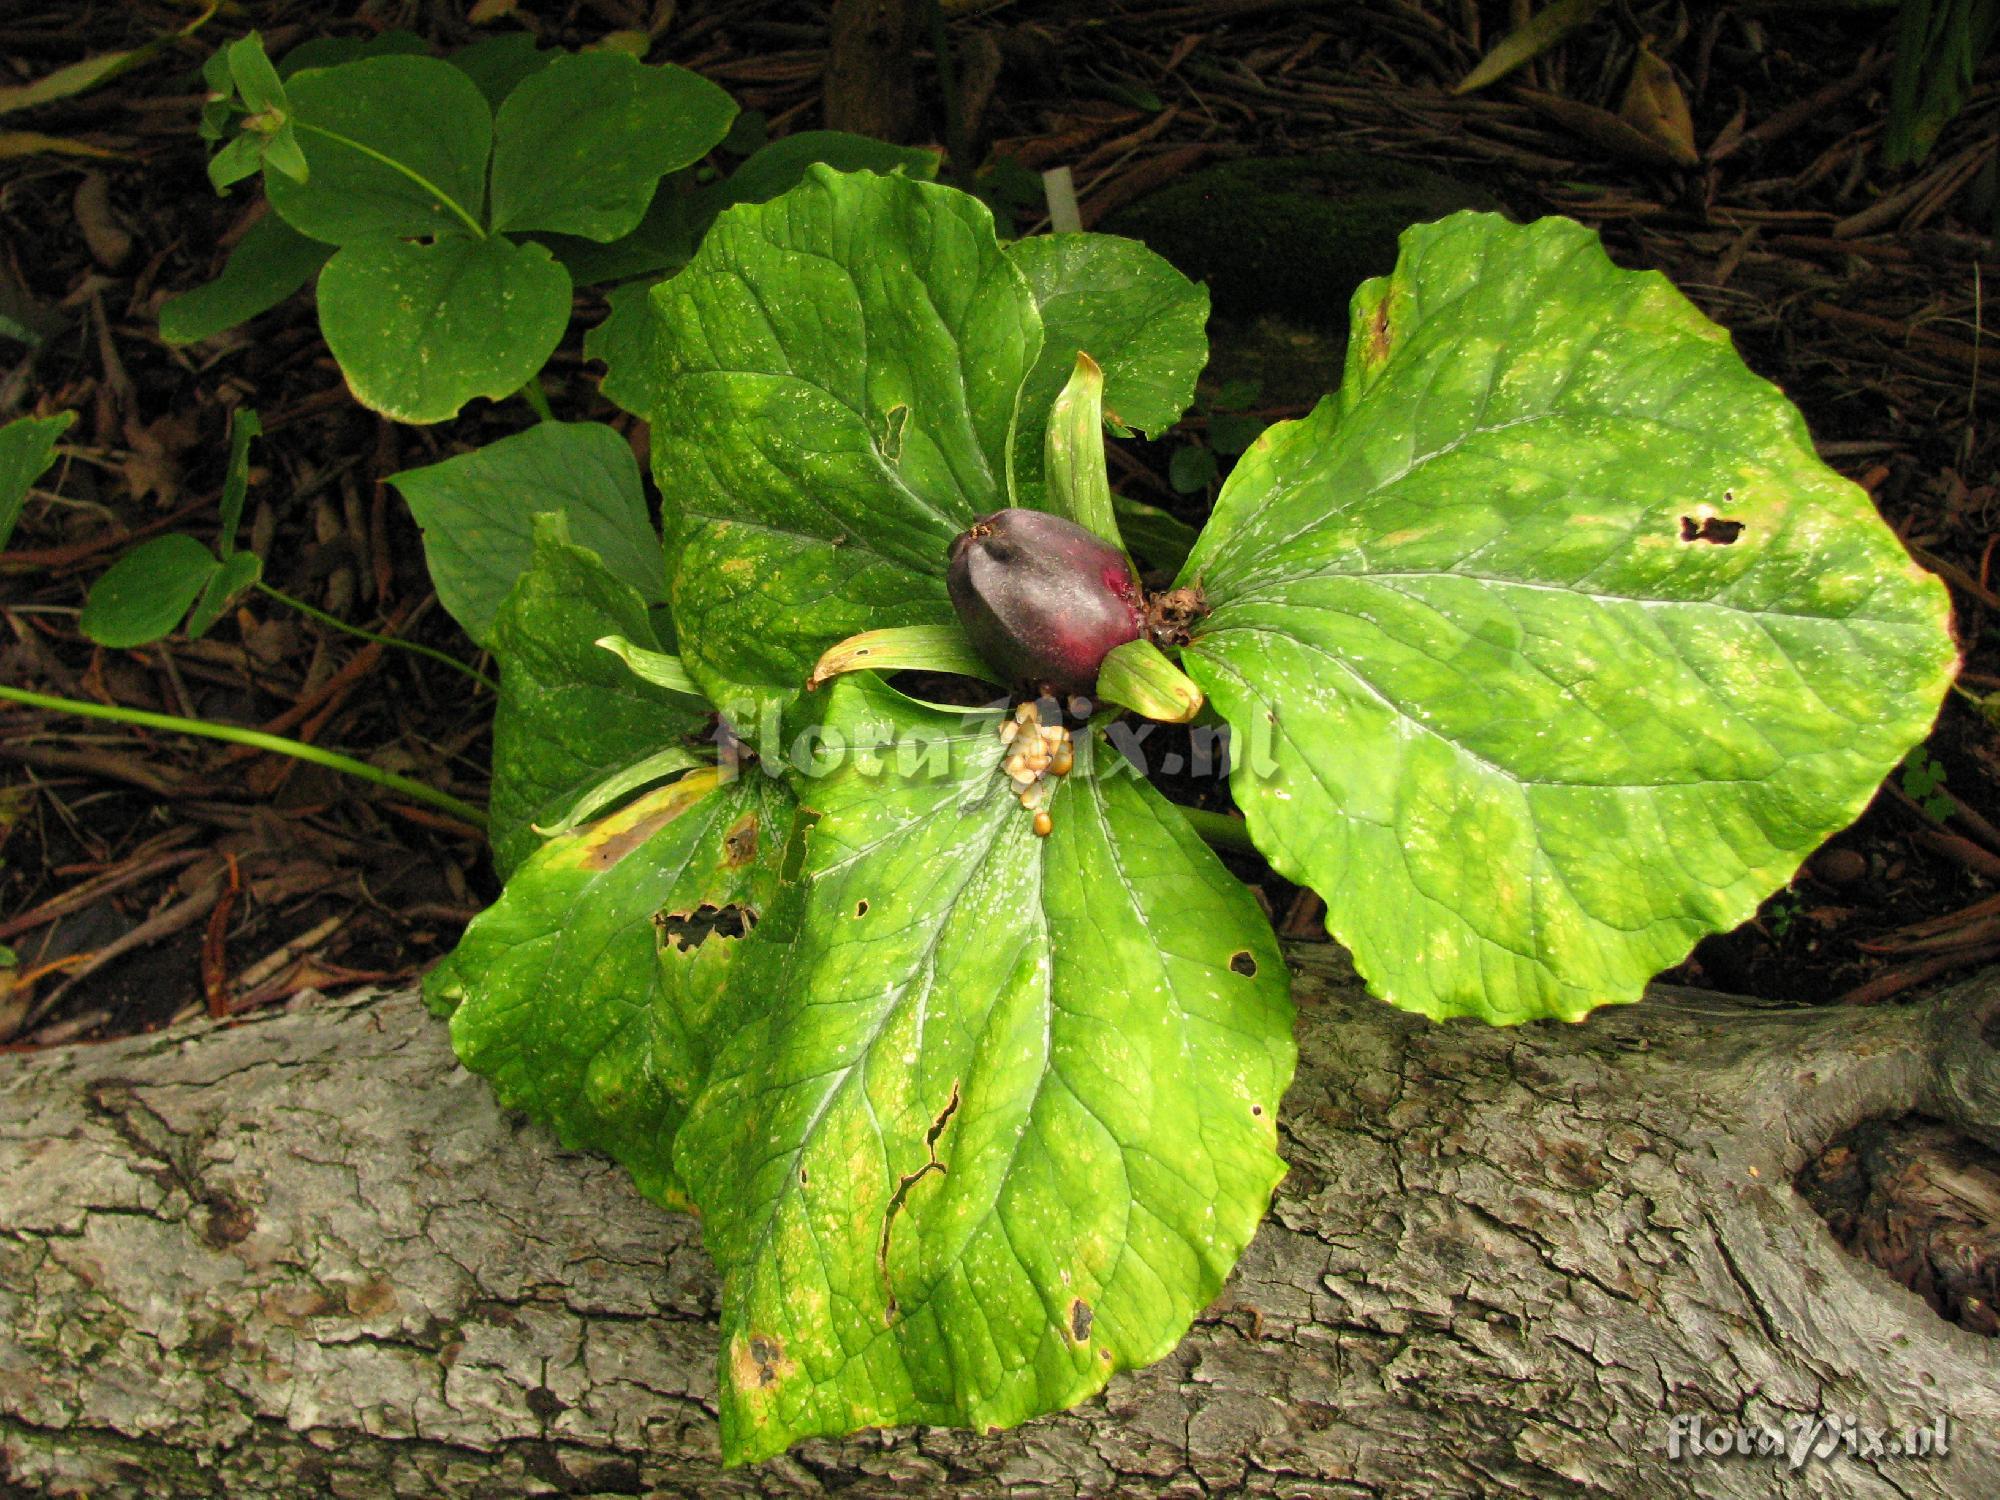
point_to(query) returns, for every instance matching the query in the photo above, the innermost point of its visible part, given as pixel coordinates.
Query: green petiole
(368, 635)
(333, 760)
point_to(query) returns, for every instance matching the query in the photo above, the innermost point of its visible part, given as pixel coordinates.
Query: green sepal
(927, 648)
(657, 667)
(1138, 676)
(1078, 486)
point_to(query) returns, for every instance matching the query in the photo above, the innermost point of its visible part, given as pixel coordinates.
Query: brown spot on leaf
(1080, 1318)
(1378, 333)
(739, 845)
(861, 907)
(757, 1361)
(606, 852)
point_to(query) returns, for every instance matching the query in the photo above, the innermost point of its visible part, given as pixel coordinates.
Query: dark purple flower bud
(1043, 600)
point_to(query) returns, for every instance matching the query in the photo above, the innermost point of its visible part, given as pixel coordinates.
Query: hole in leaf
(686, 931)
(1242, 963)
(861, 907)
(1713, 529)
(1257, 1110)
(1080, 1316)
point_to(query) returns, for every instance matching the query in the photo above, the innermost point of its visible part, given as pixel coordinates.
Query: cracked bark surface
(307, 1254)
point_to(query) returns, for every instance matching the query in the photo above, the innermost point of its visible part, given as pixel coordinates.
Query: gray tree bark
(307, 1255)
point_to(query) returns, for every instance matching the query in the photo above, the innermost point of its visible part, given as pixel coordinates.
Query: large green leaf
(268, 264)
(579, 146)
(1550, 645)
(1142, 321)
(835, 401)
(394, 145)
(1004, 1118)
(27, 448)
(420, 329)
(571, 714)
(592, 991)
(477, 510)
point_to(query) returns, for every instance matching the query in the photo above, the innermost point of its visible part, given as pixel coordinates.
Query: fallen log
(306, 1254)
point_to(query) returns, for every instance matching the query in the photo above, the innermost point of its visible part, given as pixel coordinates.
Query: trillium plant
(1546, 646)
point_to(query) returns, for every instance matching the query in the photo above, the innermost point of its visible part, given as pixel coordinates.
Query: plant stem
(395, 166)
(954, 126)
(257, 740)
(533, 394)
(368, 635)
(1219, 829)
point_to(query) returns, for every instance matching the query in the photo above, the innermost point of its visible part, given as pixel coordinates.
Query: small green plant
(144, 595)
(448, 207)
(965, 1045)
(1781, 914)
(1923, 784)
(1939, 47)
(148, 592)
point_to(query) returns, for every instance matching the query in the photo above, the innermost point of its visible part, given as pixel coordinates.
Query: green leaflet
(580, 145)
(477, 510)
(27, 449)
(1549, 644)
(571, 715)
(1003, 1117)
(421, 328)
(360, 122)
(142, 596)
(591, 991)
(836, 403)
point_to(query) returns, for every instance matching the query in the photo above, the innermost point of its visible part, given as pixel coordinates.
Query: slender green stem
(954, 125)
(258, 740)
(368, 635)
(1219, 829)
(395, 166)
(533, 394)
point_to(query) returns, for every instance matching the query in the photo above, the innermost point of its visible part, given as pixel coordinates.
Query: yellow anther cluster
(1037, 751)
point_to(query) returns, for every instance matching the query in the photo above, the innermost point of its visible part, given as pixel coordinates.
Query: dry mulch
(148, 877)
